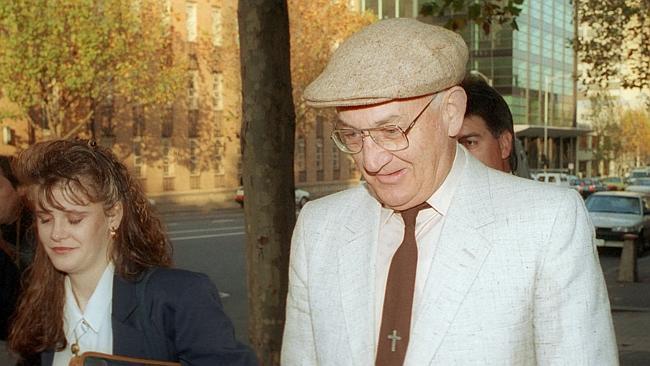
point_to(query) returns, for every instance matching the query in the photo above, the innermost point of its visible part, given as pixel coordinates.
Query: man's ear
(505, 144)
(115, 215)
(453, 109)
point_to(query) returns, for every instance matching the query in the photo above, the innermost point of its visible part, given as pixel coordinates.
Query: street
(213, 243)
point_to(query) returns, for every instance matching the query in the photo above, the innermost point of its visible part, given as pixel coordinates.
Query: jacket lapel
(127, 339)
(356, 258)
(465, 241)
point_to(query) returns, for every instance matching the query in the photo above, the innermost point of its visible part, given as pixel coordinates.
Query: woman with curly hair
(100, 280)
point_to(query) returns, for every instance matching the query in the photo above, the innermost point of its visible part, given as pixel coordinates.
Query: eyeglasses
(391, 137)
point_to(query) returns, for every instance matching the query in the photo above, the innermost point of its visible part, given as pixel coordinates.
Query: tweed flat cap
(390, 59)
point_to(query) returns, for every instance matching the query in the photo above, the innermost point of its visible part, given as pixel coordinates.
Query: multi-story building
(189, 151)
(532, 68)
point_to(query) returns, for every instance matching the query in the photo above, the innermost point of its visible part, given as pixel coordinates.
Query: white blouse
(91, 329)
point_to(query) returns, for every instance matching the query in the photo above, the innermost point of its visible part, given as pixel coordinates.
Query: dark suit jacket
(187, 316)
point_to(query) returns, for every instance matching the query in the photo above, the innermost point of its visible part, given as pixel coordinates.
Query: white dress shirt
(92, 329)
(428, 227)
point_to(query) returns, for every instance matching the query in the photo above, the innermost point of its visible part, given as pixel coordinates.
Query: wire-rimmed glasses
(390, 137)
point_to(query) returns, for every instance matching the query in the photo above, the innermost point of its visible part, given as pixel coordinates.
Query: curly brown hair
(87, 172)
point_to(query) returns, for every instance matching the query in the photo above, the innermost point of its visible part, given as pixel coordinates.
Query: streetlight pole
(547, 82)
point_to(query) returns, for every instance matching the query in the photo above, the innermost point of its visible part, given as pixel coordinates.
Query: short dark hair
(6, 171)
(485, 102)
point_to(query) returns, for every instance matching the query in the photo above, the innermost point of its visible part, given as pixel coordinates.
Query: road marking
(203, 230)
(223, 295)
(182, 238)
(219, 221)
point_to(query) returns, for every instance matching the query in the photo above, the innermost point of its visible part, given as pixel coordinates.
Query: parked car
(615, 214)
(614, 183)
(559, 179)
(637, 173)
(587, 186)
(301, 197)
(641, 185)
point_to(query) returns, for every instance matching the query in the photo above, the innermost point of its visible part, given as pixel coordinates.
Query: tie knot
(410, 214)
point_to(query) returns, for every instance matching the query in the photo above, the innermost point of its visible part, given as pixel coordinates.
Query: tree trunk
(267, 137)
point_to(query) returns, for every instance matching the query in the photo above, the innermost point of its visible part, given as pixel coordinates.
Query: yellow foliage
(317, 27)
(635, 133)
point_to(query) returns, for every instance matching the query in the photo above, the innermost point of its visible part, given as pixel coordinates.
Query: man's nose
(374, 156)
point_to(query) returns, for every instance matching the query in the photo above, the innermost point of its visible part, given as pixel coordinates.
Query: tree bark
(267, 137)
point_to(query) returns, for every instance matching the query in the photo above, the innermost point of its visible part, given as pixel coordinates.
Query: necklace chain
(74, 348)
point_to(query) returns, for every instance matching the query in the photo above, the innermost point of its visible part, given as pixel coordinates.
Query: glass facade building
(527, 66)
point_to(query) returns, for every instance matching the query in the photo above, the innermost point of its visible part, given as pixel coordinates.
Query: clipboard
(104, 359)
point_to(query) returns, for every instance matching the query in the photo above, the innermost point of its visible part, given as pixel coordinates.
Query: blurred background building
(533, 68)
(189, 151)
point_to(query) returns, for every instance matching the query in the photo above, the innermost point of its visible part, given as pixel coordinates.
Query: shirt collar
(441, 199)
(98, 304)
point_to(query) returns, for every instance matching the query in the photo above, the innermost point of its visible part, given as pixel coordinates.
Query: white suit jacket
(515, 280)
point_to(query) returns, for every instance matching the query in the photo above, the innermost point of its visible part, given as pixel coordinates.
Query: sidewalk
(631, 313)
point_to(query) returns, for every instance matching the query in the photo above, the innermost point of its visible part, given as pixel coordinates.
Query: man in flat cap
(435, 259)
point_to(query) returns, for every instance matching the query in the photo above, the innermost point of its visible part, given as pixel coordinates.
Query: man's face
(491, 151)
(406, 178)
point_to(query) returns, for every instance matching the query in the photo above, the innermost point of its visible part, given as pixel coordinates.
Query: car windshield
(616, 204)
(642, 182)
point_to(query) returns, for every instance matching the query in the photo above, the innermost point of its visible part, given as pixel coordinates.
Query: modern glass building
(532, 68)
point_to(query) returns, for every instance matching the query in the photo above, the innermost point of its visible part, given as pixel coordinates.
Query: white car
(301, 196)
(559, 179)
(617, 213)
(641, 185)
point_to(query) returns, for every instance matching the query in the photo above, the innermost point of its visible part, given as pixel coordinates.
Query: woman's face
(9, 199)
(77, 237)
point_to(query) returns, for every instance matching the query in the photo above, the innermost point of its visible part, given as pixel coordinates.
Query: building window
(336, 162)
(218, 126)
(582, 142)
(168, 164)
(167, 128)
(193, 90)
(190, 12)
(138, 166)
(193, 123)
(217, 91)
(219, 155)
(138, 121)
(217, 31)
(319, 159)
(194, 157)
(300, 159)
(319, 127)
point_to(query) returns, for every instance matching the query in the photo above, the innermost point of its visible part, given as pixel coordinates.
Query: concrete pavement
(631, 313)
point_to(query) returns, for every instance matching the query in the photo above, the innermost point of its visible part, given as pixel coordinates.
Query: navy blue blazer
(187, 316)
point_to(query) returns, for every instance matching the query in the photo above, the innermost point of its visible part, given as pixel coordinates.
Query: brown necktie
(398, 300)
